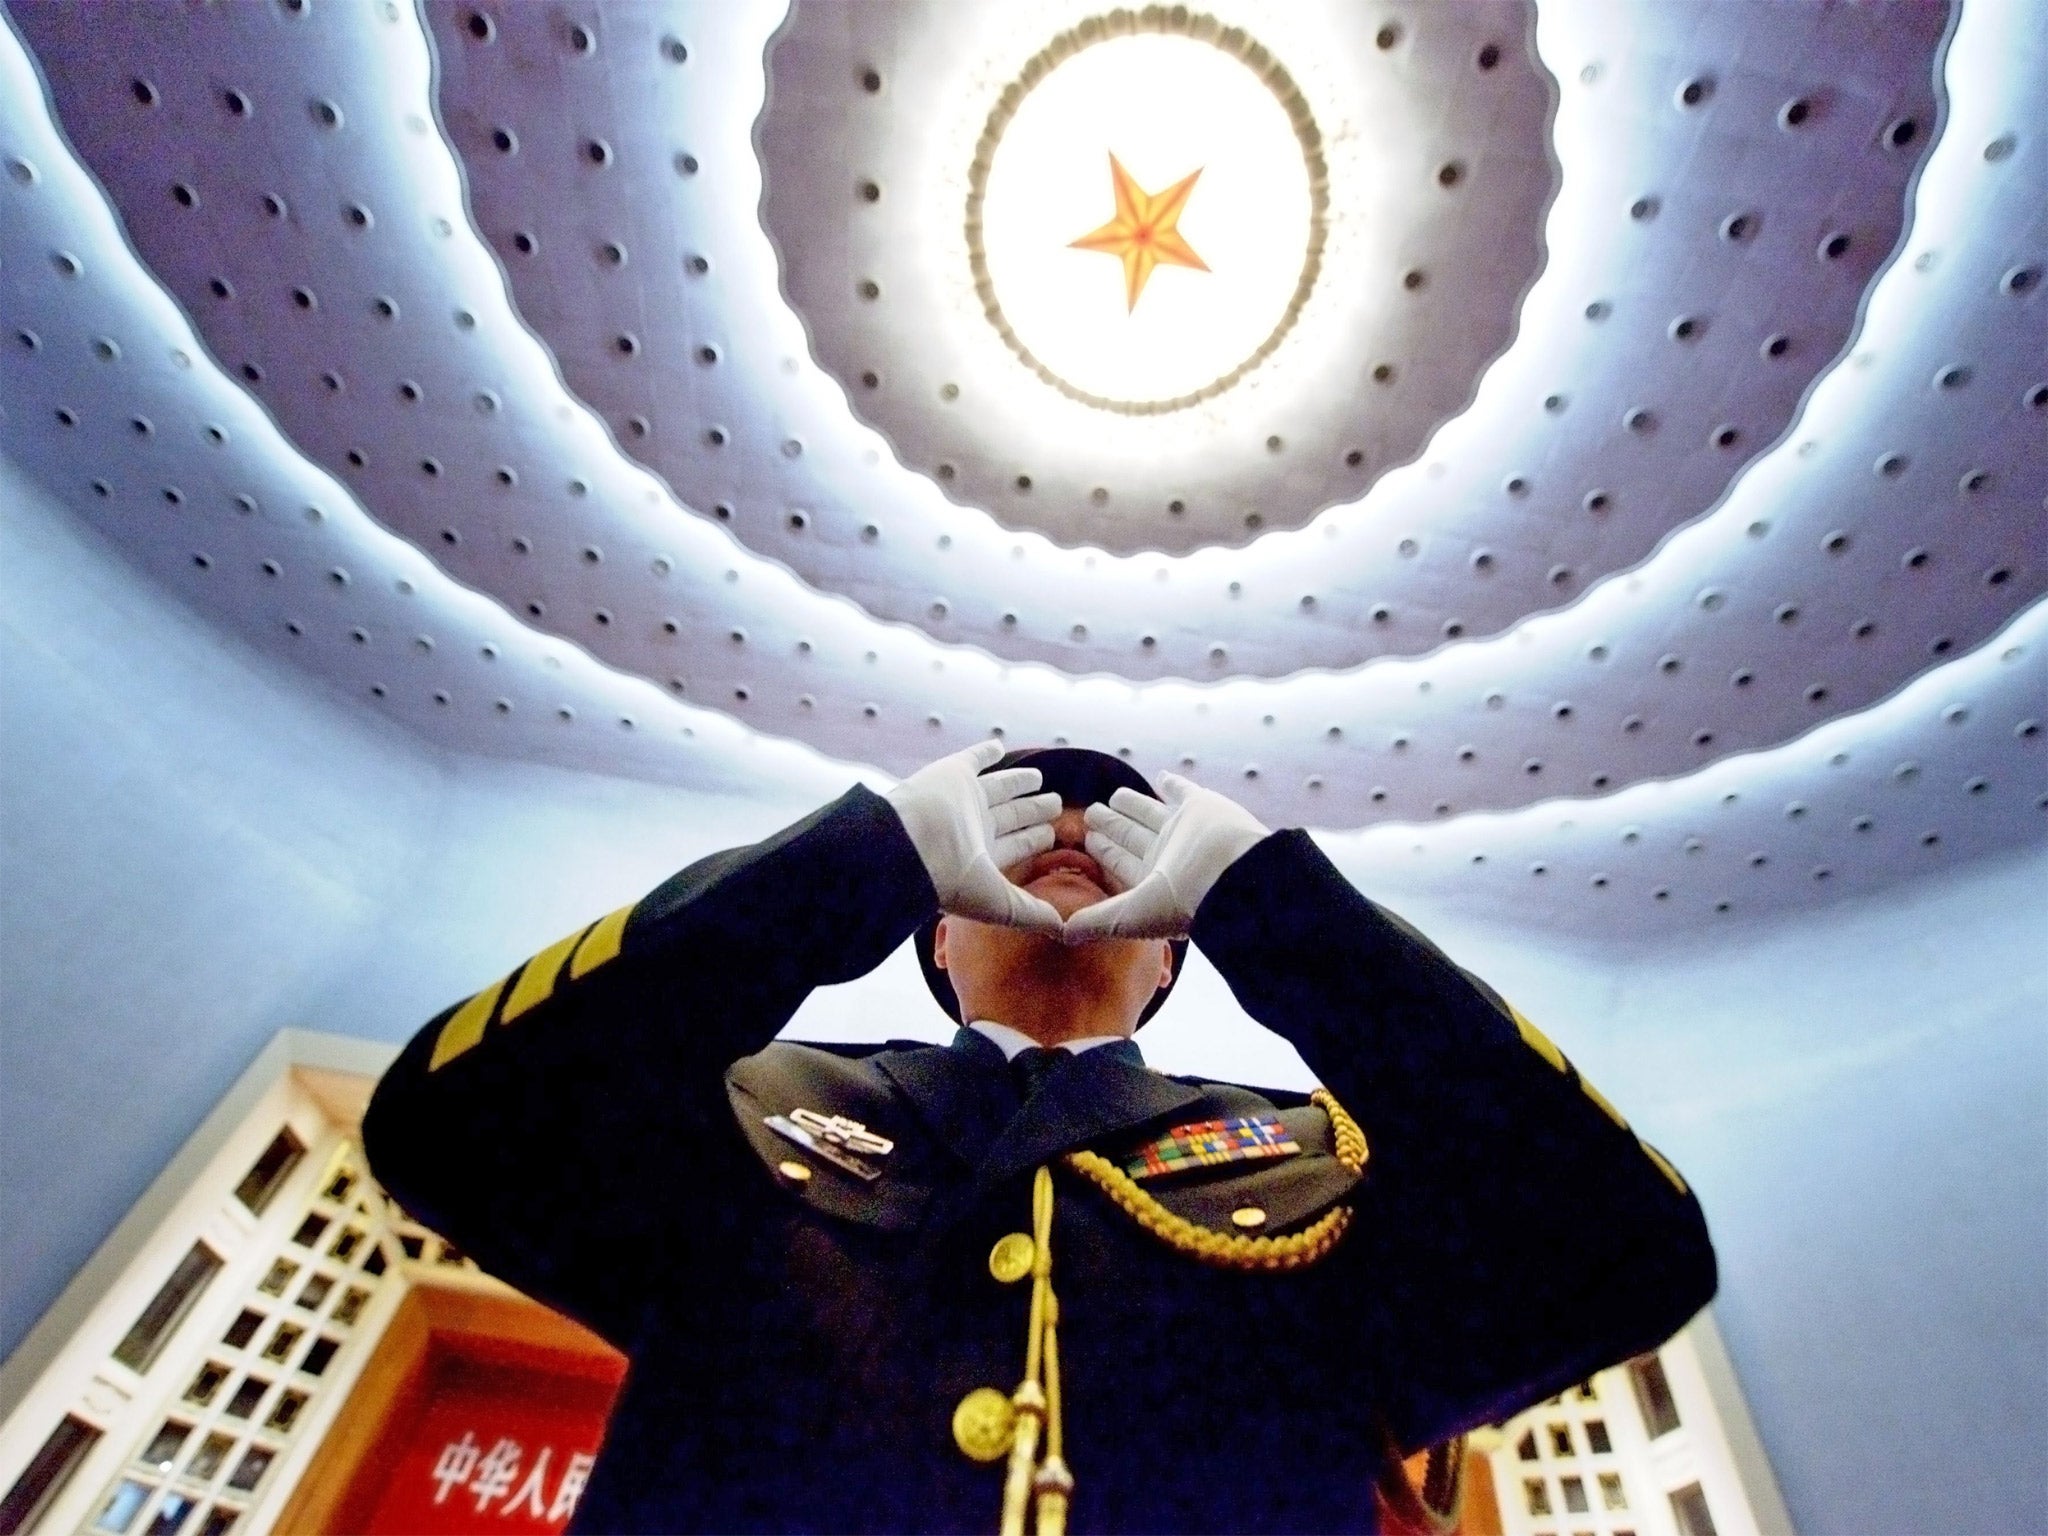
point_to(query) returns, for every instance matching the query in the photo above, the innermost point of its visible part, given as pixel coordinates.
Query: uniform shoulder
(795, 1068)
(846, 1050)
(1253, 1099)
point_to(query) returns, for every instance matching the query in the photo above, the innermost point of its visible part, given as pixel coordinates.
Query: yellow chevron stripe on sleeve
(601, 943)
(1663, 1167)
(537, 978)
(466, 1026)
(1537, 1041)
(1601, 1099)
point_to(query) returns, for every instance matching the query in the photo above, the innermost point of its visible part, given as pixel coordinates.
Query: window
(206, 1383)
(220, 1521)
(1588, 1392)
(1537, 1494)
(286, 1413)
(249, 1471)
(167, 1308)
(1653, 1394)
(1611, 1495)
(169, 1515)
(163, 1449)
(1689, 1508)
(1560, 1440)
(1526, 1446)
(1574, 1495)
(1596, 1437)
(242, 1329)
(280, 1276)
(318, 1356)
(281, 1342)
(206, 1461)
(315, 1292)
(310, 1230)
(267, 1174)
(350, 1307)
(246, 1397)
(46, 1474)
(127, 1499)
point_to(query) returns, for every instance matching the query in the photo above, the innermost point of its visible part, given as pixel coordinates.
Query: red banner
(499, 1449)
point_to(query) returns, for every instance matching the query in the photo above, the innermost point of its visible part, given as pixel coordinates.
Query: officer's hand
(1163, 857)
(968, 829)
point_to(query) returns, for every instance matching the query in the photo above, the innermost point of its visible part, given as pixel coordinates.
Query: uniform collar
(1011, 1041)
(964, 1093)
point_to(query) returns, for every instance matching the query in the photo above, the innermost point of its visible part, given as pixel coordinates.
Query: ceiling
(1640, 518)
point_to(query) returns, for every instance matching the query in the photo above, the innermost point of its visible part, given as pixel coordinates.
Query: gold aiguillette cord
(1037, 1398)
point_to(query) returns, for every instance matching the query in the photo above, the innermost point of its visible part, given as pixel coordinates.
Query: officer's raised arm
(1519, 1235)
(527, 1121)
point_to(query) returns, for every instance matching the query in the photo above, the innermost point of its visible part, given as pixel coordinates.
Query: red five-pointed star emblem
(1145, 232)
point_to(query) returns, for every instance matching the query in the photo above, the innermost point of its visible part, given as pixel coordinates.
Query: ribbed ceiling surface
(1645, 507)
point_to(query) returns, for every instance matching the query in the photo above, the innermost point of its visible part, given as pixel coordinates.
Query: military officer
(1022, 1280)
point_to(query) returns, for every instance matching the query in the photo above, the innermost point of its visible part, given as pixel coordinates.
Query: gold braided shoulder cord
(1226, 1250)
(1044, 1485)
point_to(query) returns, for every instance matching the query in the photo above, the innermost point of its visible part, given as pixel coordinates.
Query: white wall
(197, 848)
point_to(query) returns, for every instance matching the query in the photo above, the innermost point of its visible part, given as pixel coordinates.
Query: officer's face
(987, 961)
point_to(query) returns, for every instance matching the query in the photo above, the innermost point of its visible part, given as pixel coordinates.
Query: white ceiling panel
(505, 366)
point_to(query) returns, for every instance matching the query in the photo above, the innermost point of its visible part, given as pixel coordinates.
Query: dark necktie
(1031, 1066)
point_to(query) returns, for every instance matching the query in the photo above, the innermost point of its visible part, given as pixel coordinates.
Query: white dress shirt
(1010, 1041)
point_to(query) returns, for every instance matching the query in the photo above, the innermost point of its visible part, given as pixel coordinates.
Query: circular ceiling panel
(1233, 265)
(1683, 313)
(1141, 280)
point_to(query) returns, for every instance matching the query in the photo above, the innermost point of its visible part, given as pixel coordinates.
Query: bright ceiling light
(1150, 216)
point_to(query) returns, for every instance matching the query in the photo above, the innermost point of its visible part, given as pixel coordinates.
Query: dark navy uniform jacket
(590, 1129)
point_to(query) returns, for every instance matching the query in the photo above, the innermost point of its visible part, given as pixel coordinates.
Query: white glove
(1164, 858)
(968, 829)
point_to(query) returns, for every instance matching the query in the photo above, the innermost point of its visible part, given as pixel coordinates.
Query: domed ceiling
(1591, 461)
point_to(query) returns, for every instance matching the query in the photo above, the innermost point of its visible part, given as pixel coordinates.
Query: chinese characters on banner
(509, 1453)
(493, 1478)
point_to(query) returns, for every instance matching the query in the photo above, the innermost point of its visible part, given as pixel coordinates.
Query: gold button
(1248, 1216)
(1011, 1258)
(983, 1424)
(794, 1171)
